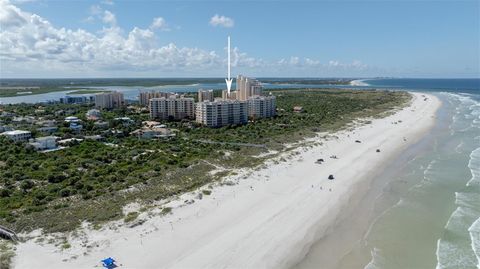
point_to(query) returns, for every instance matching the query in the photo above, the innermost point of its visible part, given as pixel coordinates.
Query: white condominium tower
(232, 96)
(109, 100)
(205, 95)
(247, 87)
(221, 113)
(261, 107)
(172, 108)
(145, 97)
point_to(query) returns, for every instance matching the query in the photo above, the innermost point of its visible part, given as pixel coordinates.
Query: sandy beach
(268, 219)
(358, 82)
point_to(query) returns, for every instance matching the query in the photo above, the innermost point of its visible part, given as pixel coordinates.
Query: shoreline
(359, 82)
(342, 247)
(269, 219)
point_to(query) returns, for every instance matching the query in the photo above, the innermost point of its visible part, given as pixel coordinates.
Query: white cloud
(95, 10)
(241, 59)
(311, 62)
(10, 16)
(354, 65)
(221, 21)
(294, 60)
(281, 62)
(159, 23)
(109, 17)
(30, 44)
(24, 1)
(89, 19)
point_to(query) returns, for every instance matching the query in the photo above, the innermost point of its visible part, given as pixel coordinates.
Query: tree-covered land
(93, 180)
(15, 87)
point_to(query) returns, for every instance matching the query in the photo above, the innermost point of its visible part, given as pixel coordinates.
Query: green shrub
(130, 217)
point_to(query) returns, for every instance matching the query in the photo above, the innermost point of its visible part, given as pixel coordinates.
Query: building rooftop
(69, 140)
(15, 132)
(123, 119)
(45, 138)
(224, 101)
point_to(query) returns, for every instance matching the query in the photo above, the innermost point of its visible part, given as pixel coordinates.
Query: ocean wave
(467, 199)
(467, 113)
(474, 166)
(376, 260)
(454, 248)
(460, 244)
(429, 173)
(474, 231)
(466, 100)
(474, 183)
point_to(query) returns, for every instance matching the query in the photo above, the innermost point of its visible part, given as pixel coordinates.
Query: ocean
(423, 210)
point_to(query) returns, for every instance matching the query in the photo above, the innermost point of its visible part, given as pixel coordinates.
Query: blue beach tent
(109, 263)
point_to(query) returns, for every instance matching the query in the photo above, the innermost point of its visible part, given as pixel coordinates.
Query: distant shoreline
(359, 82)
(79, 92)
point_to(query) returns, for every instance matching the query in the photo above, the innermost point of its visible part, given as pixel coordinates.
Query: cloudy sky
(119, 38)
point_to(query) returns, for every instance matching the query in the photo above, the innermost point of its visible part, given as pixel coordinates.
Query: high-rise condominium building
(247, 87)
(109, 100)
(232, 96)
(205, 95)
(172, 108)
(75, 99)
(261, 106)
(144, 97)
(221, 113)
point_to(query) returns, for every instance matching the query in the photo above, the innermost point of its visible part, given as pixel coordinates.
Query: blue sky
(270, 38)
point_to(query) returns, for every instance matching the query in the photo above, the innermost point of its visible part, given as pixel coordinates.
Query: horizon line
(208, 77)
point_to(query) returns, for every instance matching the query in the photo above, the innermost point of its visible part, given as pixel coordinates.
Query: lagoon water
(132, 92)
(423, 211)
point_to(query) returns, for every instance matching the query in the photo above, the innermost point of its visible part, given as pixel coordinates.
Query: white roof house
(44, 143)
(72, 119)
(18, 135)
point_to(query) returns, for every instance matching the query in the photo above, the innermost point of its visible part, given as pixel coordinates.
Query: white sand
(359, 82)
(268, 220)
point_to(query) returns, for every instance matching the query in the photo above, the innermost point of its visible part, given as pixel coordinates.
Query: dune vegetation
(92, 180)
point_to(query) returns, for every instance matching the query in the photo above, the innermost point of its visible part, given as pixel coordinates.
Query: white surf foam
(463, 225)
(376, 261)
(474, 231)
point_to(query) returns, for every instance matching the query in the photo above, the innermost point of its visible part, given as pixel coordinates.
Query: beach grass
(7, 253)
